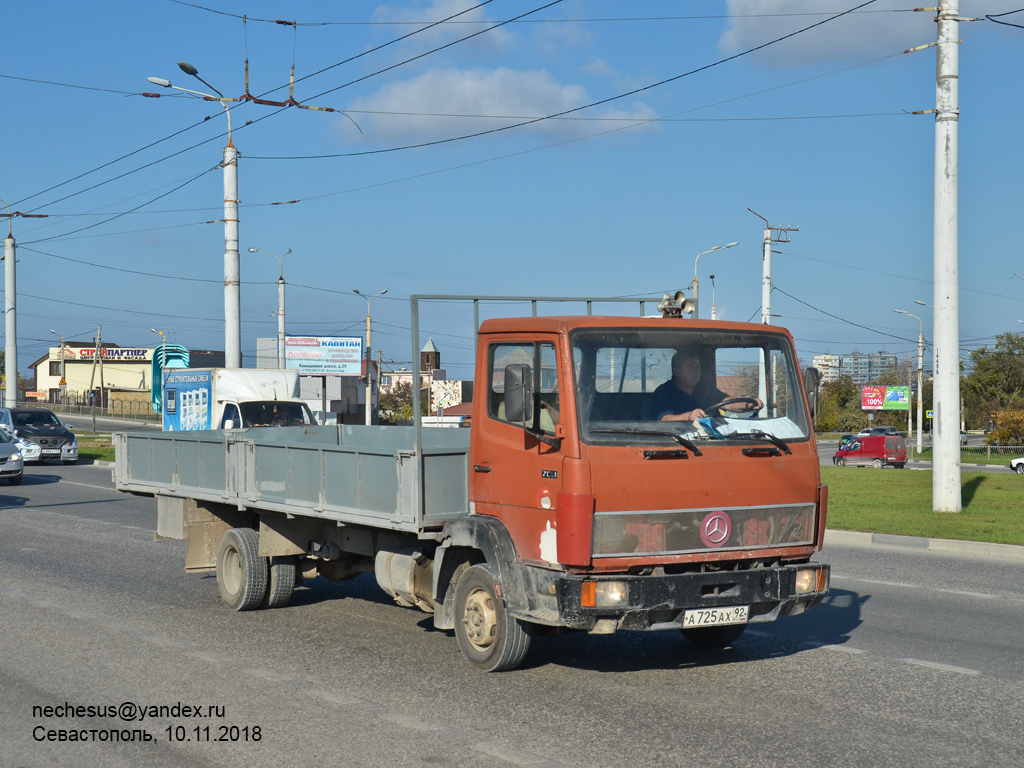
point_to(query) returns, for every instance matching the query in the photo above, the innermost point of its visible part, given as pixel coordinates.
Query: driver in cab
(681, 398)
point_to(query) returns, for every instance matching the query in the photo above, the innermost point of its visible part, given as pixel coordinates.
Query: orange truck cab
(873, 450)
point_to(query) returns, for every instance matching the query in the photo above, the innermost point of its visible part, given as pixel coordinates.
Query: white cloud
(430, 105)
(871, 32)
(493, 40)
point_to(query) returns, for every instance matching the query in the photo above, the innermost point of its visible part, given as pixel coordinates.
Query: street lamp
(232, 282)
(920, 373)
(369, 377)
(63, 381)
(163, 351)
(280, 304)
(695, 284)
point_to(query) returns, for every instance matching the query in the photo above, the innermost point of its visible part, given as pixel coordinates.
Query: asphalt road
(914, 660)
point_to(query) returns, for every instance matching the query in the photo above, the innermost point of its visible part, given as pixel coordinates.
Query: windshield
(643, 386)
(275, 414)
(35, 419)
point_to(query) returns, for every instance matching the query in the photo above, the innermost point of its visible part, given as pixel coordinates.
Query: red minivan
(876, 450)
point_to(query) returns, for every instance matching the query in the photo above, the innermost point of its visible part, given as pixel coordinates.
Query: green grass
(95, 446)
(900, 502)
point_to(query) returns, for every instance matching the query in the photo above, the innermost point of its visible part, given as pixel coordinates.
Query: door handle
(482, 467)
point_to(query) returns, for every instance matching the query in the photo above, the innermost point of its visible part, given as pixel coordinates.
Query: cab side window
(231, 414)
(542, 363)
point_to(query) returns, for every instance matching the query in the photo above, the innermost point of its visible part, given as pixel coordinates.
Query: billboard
(324, 355)
(878, 397)
(187, 397)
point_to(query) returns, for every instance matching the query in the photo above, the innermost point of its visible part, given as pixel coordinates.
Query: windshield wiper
(781, 444)
(686, 443)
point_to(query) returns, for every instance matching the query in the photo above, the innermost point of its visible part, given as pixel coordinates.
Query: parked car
(1017, 465)
(41, 426)
(875, 450)
(12, 463)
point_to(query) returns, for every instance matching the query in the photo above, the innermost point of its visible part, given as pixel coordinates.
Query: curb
(918, 544)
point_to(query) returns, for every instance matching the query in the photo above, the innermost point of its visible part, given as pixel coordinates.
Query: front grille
(673, 532)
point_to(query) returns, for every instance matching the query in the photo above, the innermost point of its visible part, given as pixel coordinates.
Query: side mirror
(519, 393)
(229, 424)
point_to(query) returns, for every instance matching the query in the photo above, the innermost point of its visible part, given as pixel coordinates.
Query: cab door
(516, 458)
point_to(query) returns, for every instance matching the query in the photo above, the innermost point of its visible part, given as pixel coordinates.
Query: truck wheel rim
(232, 571)
(480, 619)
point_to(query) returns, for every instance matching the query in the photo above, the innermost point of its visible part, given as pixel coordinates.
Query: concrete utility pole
(11, 328)
(771, 235)
(232, 279)
(369, 358)
(280, 304)
(946, 495)
(63, 378)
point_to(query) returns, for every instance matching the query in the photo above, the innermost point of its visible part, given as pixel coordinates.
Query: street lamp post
(280, 304)
(232, 281)
(920, 374)
(369, 376)
(64, 381)
(696, 304)
(714, 314)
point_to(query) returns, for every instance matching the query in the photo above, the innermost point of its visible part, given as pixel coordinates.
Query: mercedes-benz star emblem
(716, 529)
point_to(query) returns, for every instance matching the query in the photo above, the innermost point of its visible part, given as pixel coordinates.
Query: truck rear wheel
(280, 582)
(877, 463)
(488, 638)
(241, 572)
(714, 637)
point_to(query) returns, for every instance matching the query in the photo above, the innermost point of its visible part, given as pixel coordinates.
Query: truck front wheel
(488, 638)
(241, 572)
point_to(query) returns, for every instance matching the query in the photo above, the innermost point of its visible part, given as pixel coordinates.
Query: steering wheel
(730, 400)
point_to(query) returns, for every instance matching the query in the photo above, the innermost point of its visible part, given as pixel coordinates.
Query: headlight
(16, 456)
(604, 594)
(811, 580)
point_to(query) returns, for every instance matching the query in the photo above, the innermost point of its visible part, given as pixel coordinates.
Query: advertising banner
(320, 355)
(187, 400)
(877, 397)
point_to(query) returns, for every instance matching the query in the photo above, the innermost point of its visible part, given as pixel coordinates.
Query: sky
(574, 148)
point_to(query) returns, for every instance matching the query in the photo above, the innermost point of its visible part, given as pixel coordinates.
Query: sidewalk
(918, 544)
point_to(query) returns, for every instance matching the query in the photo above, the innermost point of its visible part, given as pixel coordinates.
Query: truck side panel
(331, 473)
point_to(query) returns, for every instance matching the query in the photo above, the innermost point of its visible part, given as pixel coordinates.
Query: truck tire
(280, 582)
(714, 637)
(241, 572)
(877, 463)
(840, 462)
(489, 639)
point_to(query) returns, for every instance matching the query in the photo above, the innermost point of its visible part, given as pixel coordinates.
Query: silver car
(12, 463)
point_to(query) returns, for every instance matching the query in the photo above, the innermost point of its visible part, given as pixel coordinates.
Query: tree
(996, 382)
(395, 404)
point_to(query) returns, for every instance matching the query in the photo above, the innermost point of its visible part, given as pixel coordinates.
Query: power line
(598, 103)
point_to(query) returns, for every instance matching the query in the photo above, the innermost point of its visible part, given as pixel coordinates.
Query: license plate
(713, 617)
(50, 451)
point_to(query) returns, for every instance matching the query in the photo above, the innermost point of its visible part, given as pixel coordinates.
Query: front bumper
(12, 467)
(659, 601)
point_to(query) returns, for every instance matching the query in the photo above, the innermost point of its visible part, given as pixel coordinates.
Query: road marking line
(943, 590)
(943, 667)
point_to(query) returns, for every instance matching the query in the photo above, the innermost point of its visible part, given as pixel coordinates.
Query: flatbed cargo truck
(567, 505)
